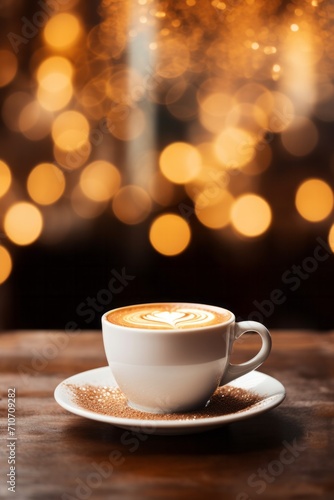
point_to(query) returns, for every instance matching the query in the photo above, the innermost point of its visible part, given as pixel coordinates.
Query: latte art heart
(166, 316)
(183, 318)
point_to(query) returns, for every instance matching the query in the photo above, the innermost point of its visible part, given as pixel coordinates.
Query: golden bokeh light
(331, 237)
(100, 180)
(5, 264)
(55, 91)
(54, 64)
(8, 67)
(54, 76)
(46, 184)
(23, 223)
(234, 147)
(169, 234)
(131, 204)
(62, 31)
(70, 130)
(314, 200)
(301, 137)
(180, 162)
(276, 72)
(214, 211)
(5, 178)
(294, 27)
(251, 215)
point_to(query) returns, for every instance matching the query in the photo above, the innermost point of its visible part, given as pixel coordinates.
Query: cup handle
(235, 371)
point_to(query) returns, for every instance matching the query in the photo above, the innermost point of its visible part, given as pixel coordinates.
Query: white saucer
(270, 390)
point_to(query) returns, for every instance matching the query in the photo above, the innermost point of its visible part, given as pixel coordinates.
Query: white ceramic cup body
(174, 370)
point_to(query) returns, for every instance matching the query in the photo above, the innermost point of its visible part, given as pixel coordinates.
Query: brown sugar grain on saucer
(112, 402)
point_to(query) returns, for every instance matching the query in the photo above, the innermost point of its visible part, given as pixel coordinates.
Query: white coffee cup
(162, 367)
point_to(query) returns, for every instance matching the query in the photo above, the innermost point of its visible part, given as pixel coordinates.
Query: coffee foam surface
(167, 316)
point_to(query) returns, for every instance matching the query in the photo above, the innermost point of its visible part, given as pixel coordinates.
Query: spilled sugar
(112, 402)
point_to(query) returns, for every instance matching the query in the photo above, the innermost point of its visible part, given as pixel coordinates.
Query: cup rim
(172, 330)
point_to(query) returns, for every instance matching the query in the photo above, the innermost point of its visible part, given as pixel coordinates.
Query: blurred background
(166, 150)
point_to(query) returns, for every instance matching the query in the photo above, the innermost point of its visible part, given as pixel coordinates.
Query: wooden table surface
(63, 456)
